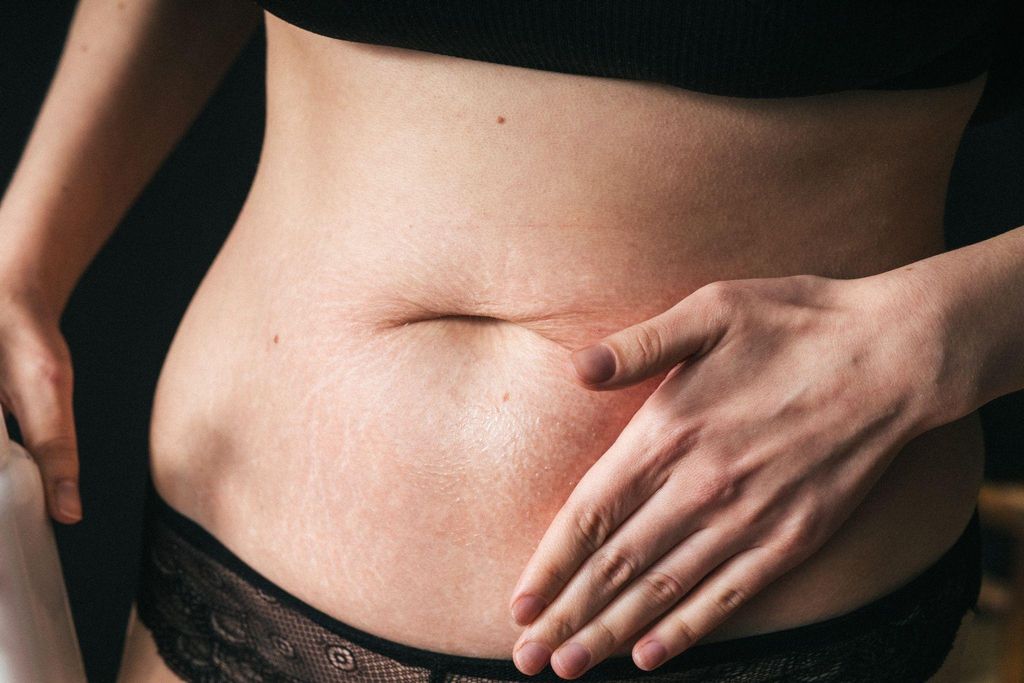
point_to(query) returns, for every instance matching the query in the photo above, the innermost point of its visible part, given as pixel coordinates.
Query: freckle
(275, 339)
(505, 397)
(83, 47)
(501, 119)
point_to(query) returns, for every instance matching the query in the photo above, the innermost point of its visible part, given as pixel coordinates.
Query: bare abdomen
(368, 399)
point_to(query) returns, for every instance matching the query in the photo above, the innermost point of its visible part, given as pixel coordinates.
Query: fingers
(610, 491)
(40, 393)
(714, 600)
(656, 527)
(645, 599)
(690, 328)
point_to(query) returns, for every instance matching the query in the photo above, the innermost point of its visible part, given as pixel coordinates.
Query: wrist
(46, 246)
(936, 354)
(36, 266)
(967, 309)
(25, 286)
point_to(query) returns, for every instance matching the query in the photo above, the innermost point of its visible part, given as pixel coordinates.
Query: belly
(369, 398)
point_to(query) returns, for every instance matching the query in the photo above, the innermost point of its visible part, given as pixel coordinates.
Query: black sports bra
(743, 48)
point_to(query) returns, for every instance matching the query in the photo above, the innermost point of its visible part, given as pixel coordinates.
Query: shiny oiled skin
(368, 398)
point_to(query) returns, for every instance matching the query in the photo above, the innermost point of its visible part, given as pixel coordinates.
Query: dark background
(120, 319)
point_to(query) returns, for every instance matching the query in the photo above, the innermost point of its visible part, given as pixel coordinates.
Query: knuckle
(552, 575)
(802, 533)
(714, 487)
(678, 434)
(662, 589)
(729, 599)
(721, 302)
(559, 627)
(791, 540)
(593, 525)
(723, 294)
(673, 438)
(615, 567)
(685, 634)
(660, 415)
(649, 343)
(809, 279)
(605, 637)
(54, 449)
(47, 369)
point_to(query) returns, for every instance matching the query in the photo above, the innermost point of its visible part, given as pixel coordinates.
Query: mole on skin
(275, 338)
(501, 119)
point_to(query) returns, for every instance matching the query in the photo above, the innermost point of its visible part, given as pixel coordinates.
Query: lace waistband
(215, 618)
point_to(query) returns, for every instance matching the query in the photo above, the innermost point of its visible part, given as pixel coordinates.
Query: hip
(401, 481)
(209, 611)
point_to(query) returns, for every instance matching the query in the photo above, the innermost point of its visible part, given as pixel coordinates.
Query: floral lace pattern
(214, 623)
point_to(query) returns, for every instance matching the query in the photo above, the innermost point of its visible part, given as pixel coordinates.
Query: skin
(412, 427)
(130, 78)
(702, 487)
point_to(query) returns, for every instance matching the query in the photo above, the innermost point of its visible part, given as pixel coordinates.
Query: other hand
(35, 386)
(786, 400)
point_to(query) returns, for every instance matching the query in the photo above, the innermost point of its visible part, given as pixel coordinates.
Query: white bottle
(38, 643)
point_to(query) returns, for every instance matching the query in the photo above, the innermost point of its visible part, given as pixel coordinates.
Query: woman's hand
(35, 385)
(793, 396)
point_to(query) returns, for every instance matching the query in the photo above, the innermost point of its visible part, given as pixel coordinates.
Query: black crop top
(743, 48)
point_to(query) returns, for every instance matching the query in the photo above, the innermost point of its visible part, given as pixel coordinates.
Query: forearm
(976, 296)
(131, 78)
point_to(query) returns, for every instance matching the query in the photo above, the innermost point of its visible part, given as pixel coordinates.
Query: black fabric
(1004, 91)
(216, 619)
(742, 48)
(748, 48)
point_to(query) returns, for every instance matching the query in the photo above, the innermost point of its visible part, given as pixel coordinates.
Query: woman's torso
(368, 398)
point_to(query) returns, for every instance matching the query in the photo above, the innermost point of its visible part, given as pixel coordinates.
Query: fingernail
(531, 657)
(594, 363)
(526, 608)
(67, 498)
(573, 658)
(650, 655)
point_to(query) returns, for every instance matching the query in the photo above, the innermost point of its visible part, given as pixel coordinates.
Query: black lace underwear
(215, 619)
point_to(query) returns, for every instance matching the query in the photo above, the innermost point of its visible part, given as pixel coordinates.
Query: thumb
(648, 348)
(42, 403)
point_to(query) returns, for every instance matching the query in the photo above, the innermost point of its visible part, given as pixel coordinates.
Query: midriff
(368, 398)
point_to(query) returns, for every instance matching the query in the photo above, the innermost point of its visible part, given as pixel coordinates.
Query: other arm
(785, 400)
(131, 78)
